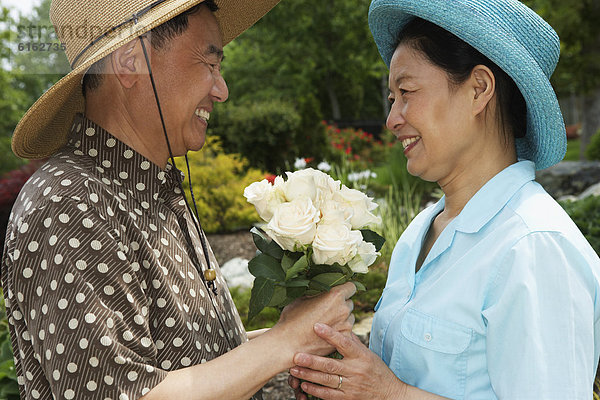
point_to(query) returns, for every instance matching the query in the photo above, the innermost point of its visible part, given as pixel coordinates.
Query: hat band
(133, 19)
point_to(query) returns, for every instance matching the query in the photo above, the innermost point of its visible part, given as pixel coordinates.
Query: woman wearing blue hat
(492, 292)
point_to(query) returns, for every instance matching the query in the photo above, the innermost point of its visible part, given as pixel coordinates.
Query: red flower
(348, 150)
(308, 159)
(270, 178)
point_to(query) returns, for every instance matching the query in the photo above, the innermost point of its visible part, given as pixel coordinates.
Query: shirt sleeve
(540, 321)
(79, 304)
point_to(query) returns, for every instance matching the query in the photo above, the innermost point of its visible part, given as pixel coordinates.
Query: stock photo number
(34, 46)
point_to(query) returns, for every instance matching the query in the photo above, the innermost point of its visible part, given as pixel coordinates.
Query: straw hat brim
(44, 128)
(545, 141)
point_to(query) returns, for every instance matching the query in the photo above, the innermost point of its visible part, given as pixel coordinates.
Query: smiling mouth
(406, 143)
(202, 114)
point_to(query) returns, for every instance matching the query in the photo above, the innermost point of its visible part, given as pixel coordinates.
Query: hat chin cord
(206, 277)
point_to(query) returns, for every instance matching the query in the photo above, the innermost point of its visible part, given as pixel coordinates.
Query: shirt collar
(120, 164)
(493, 196)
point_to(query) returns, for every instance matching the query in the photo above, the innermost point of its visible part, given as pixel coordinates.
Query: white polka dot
(90, 318)
(80, 298)
(64, 218)
(102, 268)
(69, 394)
(129, 297)
(146, 342)
(94, 197)
(81, 265)
(106, 163)
(121, 255)
(127, 335)
(53, 285)
(42, 334)
(127, 278)
(51, 328)
(62, 304)
(48, 222)
(44, 265)
(60, 348)
(90, 131)
(73, 323)
(128, 154)
(216, 347)
(166, 364)
(93, 152)
(66, 182)
(72, 367)
(132, 376)
(74, 243)
(69, 277)
(108, 380)
(16, 254)
(96, 245)
(56, 375)
(27, 273)
(161, 302)
(58, 259)
(109, 290)
(87, 223)
(123, 396)
(91, 386)
(120, 360)
(94, 362)
(159, 344)
(170, 322)
(186, 362)
(24, 227)
(175, 288)
(105, 341)
(83, 343)
(33, 246)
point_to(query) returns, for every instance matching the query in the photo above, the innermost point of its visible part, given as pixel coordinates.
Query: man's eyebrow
(212, 49)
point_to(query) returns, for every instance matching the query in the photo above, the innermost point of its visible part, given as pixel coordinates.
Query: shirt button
(427, 337)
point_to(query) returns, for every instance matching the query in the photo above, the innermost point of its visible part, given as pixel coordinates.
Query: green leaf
(298, 267)
(260, 297)
(314, 292)
(298, 282)
(330, 279)
(279, 296)
(359, 286)
(266, 245)
(295, 292)
(372, 237)
(317, 286)
(266, 266)
(289, 259)
(322, 269)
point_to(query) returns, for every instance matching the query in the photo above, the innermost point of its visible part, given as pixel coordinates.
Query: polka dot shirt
(100, 275)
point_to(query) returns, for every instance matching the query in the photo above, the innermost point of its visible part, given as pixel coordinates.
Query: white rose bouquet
(316, 237)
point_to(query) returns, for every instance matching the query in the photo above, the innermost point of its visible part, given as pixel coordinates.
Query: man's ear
(129, 63)
(483, 82)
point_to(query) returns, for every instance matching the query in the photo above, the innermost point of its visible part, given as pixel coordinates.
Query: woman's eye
(391, 100)
(403, 92)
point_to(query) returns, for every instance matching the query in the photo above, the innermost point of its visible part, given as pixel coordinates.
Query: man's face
(189, 82)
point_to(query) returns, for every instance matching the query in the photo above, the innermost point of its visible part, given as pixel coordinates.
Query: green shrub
(9, 160)
(9, 388)
(218, 181)
(586, 215)
(267, 134)
(593, 150)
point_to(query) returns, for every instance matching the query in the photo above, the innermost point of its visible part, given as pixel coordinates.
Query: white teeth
(407, 142)
(202, 113)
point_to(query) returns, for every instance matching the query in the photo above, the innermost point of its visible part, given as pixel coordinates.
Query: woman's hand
(360, 375)
(295, 328)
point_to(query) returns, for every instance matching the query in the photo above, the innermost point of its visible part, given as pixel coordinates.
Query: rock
(236, 273)
(362, 329)
(569, 177)
(593, 190)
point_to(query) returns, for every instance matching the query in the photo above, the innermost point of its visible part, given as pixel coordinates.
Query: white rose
(333, 212)
(361, 206)
(298, 185)
(323, 185)
(265, 197)
(335, 243)
(366, 255)
(294, 224)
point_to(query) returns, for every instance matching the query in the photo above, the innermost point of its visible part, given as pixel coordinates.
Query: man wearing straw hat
(111, 289)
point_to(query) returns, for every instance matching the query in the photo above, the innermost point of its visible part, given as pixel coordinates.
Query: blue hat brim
(545, 142)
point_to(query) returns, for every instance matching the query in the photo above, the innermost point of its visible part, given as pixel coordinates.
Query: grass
(572, 150)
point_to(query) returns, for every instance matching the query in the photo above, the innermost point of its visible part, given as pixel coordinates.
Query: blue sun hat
(512, 36)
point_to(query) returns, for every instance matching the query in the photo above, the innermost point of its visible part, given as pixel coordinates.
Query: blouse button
(427, 337)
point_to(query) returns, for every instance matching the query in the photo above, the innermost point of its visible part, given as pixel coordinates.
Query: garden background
(307, 88)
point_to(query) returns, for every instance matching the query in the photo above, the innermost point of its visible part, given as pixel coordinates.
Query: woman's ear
(483, 82)
(129, 63)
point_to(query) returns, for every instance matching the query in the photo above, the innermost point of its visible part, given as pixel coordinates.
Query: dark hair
(457, 58)
(161, 36)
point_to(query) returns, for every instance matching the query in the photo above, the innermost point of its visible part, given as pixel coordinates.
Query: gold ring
(340, 384)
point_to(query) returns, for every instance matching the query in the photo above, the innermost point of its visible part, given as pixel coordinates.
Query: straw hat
(86, 29)
(512, 36)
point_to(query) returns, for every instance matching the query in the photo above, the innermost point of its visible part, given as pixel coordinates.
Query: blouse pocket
(431, 353)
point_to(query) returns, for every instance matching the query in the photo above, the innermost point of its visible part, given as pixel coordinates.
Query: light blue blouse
(506, 304)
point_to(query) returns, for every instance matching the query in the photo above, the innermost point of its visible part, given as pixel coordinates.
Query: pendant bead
(210, 275)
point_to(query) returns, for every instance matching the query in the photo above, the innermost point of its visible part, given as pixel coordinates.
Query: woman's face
(432, 119)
